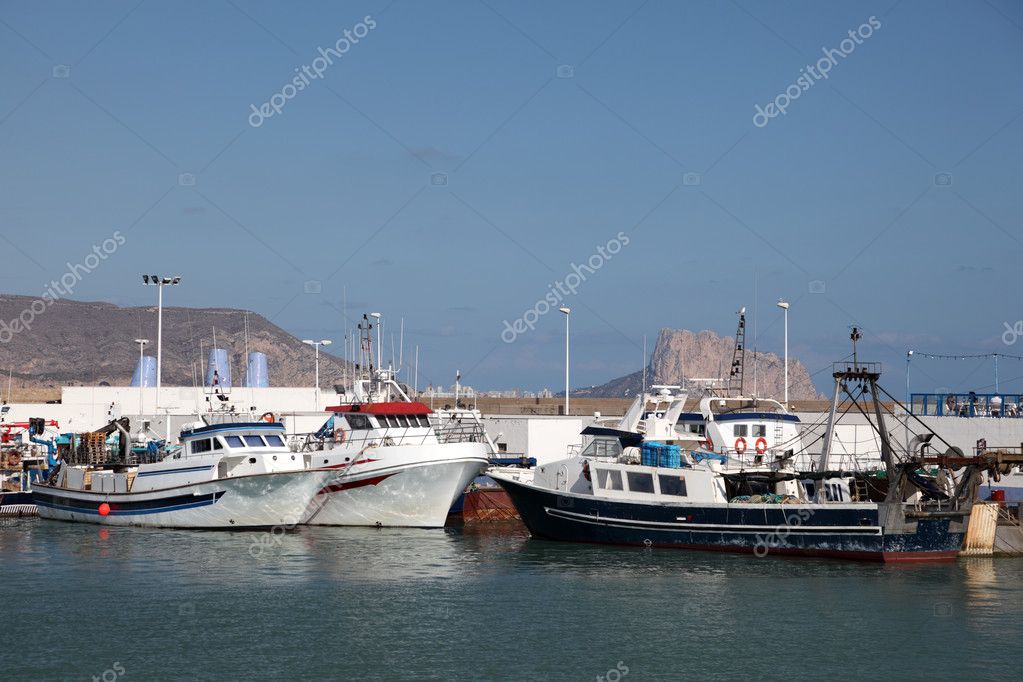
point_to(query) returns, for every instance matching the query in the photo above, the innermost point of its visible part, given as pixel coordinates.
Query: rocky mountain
(81, 343)
(705, 355)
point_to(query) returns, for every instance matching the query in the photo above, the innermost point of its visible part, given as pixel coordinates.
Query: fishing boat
(27, 452)
(228, 475)
(393, 466)
(642, 487)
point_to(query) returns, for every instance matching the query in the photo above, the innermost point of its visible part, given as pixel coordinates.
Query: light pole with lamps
(161, 282)
(142, 375)
(317, 344)
(785, 307)
(568, 313)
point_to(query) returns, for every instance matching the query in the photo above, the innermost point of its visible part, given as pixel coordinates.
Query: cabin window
(609, 479)
(254, 441)
(234, 441)
(275, 441)
(358, 421)
(640, 483)
(672, 485)
(603, 447)
(217, 445)
(759, 430)
(424, 421)
(740, 430)
(502, 448)
(200, 445)
(402, 421)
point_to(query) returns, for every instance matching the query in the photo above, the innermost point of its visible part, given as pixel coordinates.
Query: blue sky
(462, 156)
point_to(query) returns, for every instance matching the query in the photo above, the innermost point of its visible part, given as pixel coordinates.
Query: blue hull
(845, 531)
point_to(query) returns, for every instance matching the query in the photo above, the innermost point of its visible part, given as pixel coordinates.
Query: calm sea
(82, 602)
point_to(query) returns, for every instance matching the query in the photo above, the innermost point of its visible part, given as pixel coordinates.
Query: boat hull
(258, 501)
(17, 504)
(417, 494)
(848, 531)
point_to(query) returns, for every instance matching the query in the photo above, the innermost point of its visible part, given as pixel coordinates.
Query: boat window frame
(248, 443)
(280, 441)
(759, 431)
(638, 475)
(229, 441)
(614, 476)
(195, 447)
(670, 477)
(358, 422)
(740, 430)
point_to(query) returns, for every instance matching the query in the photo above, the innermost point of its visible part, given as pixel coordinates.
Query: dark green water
(83, 602)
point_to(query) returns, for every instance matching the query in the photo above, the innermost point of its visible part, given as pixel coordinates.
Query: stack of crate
(92, 448)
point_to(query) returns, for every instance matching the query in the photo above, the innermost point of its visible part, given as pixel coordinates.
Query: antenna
(344, 320)
(415, 386)
(401, 344)
(645, 364)
(856, 335)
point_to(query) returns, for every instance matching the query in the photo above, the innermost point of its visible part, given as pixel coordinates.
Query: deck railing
(969, 404)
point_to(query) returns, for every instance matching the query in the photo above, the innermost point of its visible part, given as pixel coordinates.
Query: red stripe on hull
(337, 487)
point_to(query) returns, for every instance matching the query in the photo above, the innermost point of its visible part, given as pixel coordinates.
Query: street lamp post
(317, 344)
(785, 307)
(568, 313)
(161, 282)
(142, 344)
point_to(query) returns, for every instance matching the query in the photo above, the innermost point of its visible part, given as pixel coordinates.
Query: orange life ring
(339, 435)
(268, 417)
(761, 446)
(740, 445)
(709, 443)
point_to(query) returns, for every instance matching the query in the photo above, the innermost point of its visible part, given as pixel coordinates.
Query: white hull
(413, 494)
(257, 501)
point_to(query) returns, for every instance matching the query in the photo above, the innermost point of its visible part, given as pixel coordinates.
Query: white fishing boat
(393, 465)
(226, 475)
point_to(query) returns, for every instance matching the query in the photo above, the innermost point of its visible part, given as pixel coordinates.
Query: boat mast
(735, 375)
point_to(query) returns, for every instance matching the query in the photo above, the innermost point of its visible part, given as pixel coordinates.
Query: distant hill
(81, 343)
(706, 355)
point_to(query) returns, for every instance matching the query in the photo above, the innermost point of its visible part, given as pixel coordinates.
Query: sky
(453, 162)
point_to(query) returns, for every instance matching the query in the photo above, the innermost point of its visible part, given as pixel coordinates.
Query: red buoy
(104, 509)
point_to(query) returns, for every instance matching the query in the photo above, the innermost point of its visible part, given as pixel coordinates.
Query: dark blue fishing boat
(624, 489)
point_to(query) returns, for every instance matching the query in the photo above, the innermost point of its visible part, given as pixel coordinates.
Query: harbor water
(82, 602)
